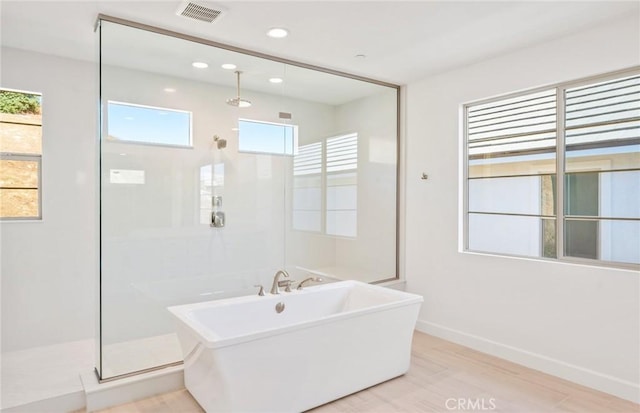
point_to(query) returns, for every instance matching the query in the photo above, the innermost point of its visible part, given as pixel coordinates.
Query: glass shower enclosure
(204, 199)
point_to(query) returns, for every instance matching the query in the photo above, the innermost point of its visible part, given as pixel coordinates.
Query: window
(342, 186)
(325, 186)
(266, 137)
(20, 155)
(131, 123)
(556, 173)
(307, 188)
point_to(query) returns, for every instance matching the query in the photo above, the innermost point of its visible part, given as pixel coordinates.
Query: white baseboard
(621, 388)
(103, 395)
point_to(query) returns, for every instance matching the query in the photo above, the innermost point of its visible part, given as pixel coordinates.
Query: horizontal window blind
(308, 160)
(342, 153)
(603, 115)
(522, 124)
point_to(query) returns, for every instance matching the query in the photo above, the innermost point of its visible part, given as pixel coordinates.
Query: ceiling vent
(199, 11)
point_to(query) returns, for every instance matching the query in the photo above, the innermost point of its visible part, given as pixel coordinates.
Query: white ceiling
(128, 47)
(403, 41)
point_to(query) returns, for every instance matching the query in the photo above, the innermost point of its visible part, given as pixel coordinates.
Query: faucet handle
(261, 291)
(286, 284)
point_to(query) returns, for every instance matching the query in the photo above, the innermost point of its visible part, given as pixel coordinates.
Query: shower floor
(42, 373)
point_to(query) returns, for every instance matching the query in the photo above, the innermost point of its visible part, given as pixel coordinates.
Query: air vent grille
(198, 12)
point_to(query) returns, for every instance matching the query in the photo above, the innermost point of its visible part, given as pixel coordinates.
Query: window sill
(21, 221)
(566, 261)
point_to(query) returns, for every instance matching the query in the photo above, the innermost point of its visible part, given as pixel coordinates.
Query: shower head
(220, 143)
(241, 103)
(237, 101)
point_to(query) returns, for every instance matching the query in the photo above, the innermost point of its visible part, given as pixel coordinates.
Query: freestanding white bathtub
(241, 355)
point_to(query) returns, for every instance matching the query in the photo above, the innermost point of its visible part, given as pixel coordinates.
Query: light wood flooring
(441, 370)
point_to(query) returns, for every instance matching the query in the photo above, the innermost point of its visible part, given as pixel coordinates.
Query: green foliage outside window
(19, 103)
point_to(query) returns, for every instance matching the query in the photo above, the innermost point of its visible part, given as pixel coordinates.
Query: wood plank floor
(440, 371)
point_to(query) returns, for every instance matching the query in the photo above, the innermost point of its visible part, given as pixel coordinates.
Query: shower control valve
(217, 219)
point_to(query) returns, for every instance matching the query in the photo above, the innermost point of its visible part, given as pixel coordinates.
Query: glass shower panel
(202, 199)
(185, 215)
(341, 187)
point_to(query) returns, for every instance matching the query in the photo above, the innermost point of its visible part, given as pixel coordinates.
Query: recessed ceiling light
(200, 65)
(278, 32)
(229, 66)
(169, 89)
(275, 80)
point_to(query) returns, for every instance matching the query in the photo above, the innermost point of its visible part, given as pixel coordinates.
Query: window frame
(8, 156)
(27, 157)
(561, 215)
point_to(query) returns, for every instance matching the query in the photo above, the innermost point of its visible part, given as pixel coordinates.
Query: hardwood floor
(444, 377)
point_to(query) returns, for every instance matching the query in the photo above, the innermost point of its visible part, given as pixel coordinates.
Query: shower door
(187, 214)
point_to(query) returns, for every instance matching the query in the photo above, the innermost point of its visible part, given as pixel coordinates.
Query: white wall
(579, 322)
(48, 267)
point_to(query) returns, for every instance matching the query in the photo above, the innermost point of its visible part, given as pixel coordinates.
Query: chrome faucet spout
(276, 279)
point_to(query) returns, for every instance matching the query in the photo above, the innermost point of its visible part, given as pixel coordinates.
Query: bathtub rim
(208, 339)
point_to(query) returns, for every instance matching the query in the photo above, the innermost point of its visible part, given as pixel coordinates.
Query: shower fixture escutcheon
(220, 143)
(217, 219)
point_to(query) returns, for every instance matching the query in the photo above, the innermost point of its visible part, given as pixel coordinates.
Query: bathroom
(572, 320)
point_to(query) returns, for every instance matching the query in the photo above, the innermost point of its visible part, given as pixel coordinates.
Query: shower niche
(213, 178)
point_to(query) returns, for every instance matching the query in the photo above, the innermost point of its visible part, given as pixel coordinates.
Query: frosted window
(307, 188)
(342, 185)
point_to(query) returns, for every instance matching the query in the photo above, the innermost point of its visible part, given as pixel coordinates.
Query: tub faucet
(286, 284)
(276, 279)
(314, 279)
